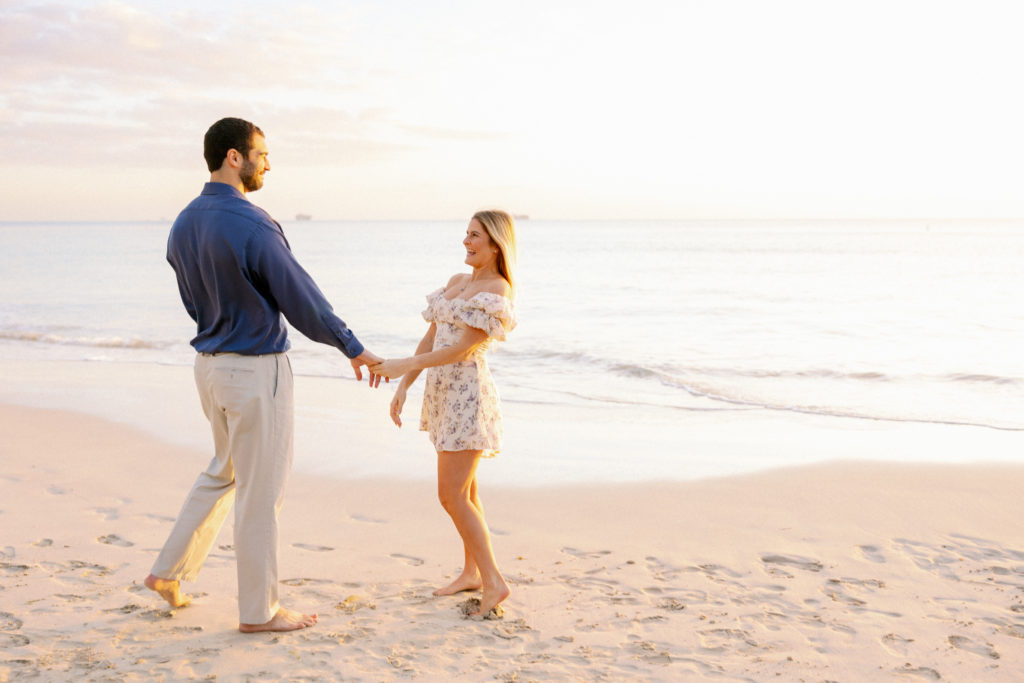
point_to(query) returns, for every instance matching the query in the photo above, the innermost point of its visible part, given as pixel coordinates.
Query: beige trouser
(248, 401)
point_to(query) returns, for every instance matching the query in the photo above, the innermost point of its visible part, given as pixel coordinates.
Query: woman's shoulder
(458, 279)
(493, 297)
(498, 286)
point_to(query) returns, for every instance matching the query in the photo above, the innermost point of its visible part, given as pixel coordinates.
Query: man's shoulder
(231, 207)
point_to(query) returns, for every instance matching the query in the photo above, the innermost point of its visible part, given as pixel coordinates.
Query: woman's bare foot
(284, 620)
(465, 582)
(491, 598)
(169, 590)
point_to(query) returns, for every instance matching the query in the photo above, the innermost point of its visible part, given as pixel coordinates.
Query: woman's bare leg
(456, 474)
(469, 579)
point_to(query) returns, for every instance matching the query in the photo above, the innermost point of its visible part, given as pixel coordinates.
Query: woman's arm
(425, 346)
(398, 402)
(469, 340)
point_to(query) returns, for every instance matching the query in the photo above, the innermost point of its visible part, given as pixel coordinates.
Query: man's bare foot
(169, 590)
(491, 598)
(465, 582)
(284, 620)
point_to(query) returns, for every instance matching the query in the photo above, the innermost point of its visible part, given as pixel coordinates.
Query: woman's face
(480, 250)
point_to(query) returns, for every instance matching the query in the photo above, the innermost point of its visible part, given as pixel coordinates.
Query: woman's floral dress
(460, 402)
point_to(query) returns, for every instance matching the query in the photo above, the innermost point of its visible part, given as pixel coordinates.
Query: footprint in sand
(156, 614)
(871, 553)
(305, 582)
(726, 639)
(773, 563)
(838, 591)
(353, 603)
(125, 609)
(368, 520)
(114, 539)
(928, 558)
(671, 604)
(13, 640)
(981, 548)
(716, 571)
(587, 555)
(408, 559)
(56, 491)
(864, 584)
(7, 553)
(511, 629)
(920, 672)
(1012, 630)
(108, 513)
(9, 622)
(160, 518)
(896, 644)
(312, 548)
(471, 605)
(87, 568)
(972, 646)
(43, 543)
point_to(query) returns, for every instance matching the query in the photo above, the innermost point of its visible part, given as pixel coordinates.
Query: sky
(559, 109)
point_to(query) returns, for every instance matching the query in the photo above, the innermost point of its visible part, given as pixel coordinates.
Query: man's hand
(367, 358)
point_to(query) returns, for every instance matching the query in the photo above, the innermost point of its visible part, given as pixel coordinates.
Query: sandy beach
(843, 571)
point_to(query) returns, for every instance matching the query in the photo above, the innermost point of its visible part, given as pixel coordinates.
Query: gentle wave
(97, 342)
(673, 373)
(707, 383)
(723, 387)
(825, 411)
(984, 379)
(733, 403)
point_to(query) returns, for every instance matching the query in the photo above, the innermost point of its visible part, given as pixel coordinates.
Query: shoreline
(343, 430)
(842, 571)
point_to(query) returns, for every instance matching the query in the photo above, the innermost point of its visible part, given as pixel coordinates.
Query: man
(237, 276)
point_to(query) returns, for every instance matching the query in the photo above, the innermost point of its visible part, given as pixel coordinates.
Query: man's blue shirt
(237, 276)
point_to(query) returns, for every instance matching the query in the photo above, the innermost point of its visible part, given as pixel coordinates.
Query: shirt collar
(222, 189)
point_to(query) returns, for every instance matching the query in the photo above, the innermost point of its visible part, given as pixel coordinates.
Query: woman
(460, 403)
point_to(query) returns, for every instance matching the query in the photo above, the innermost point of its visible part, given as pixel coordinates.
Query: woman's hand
(396, 406)
(392, 369)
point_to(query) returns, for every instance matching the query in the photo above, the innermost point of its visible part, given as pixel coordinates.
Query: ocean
(853, 322)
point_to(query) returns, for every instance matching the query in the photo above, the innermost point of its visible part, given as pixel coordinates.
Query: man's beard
(250, 180)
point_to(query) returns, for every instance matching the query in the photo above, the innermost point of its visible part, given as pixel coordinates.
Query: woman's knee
(451, 497)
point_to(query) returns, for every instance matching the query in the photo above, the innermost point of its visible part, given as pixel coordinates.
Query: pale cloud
(120, 47)
(109, 82)
(644, 108)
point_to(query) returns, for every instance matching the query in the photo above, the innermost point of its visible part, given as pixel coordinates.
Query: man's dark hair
(225, 135)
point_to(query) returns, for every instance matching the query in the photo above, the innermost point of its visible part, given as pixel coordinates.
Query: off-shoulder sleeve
(489, 312)
(428, 314)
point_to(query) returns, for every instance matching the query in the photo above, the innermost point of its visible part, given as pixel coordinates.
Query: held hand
(392, 369)
(367, 358)
(396, 406)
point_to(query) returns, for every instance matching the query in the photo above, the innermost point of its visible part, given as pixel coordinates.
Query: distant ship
(303, 217)
(520, 217)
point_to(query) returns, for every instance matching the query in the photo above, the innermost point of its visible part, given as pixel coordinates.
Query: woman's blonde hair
(502, 230)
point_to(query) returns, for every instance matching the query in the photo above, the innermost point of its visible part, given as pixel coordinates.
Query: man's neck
(231, 179)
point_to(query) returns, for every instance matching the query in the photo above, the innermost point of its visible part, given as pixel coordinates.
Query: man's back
(216, 247)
